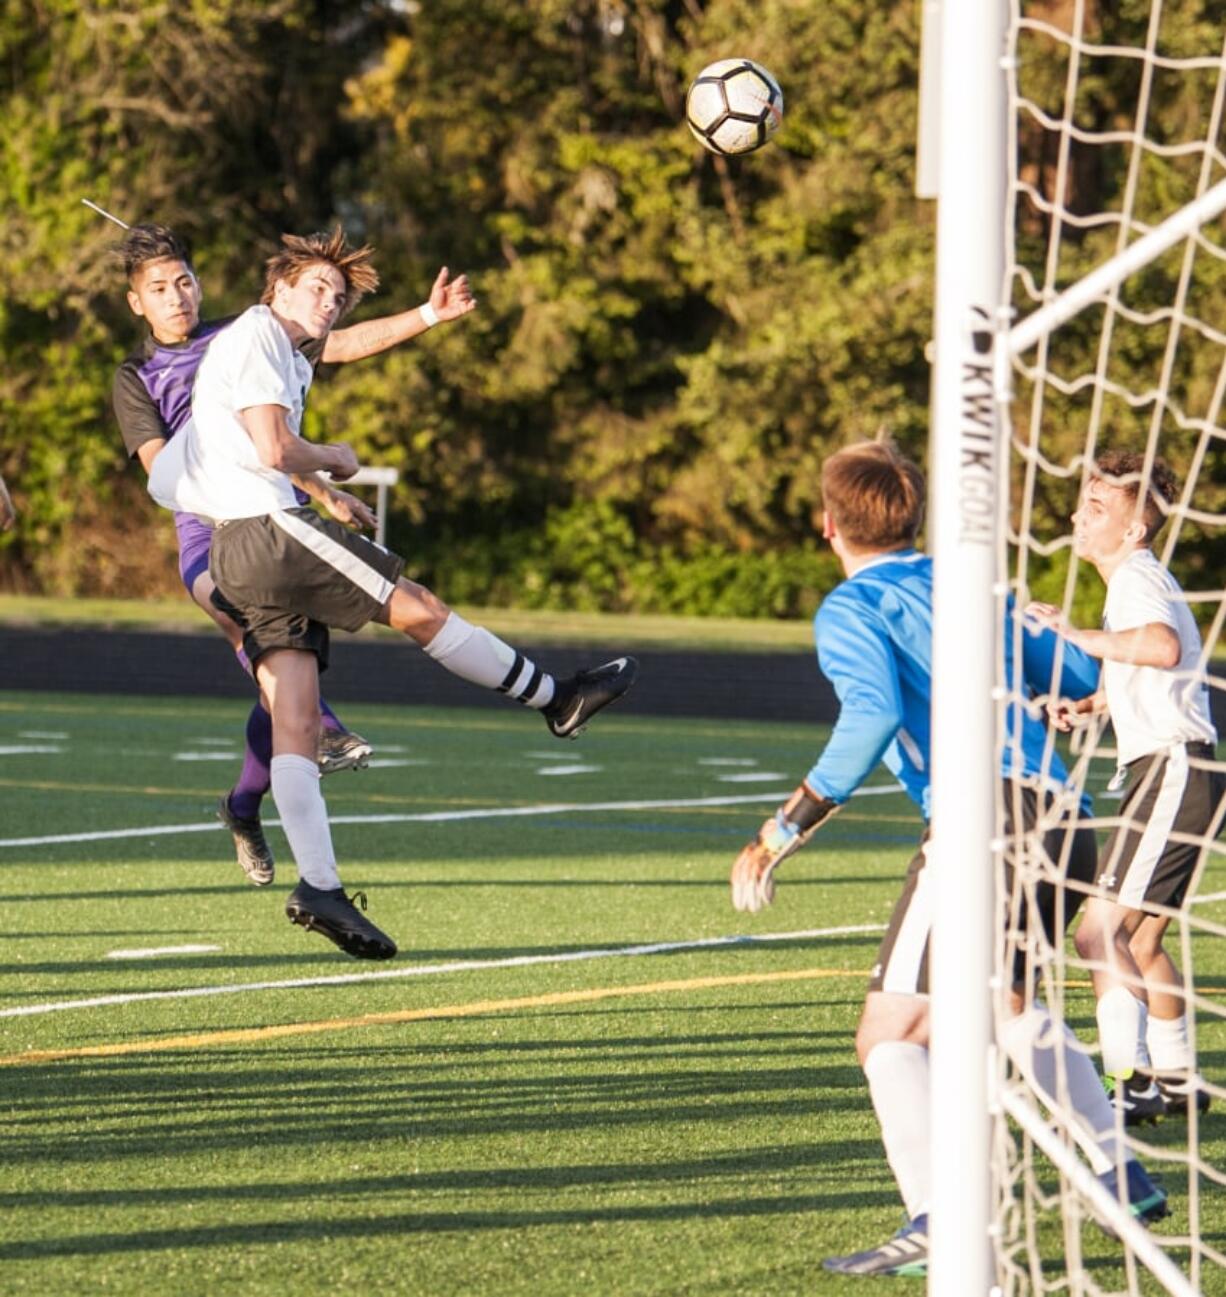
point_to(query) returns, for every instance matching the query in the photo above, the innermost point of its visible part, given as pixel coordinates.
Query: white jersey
(210, 467)
(1154, 707)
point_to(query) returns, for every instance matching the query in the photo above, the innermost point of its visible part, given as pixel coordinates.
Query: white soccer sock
(1121, 1032)
(1031, 1040)
(897, 1074)
(1169, 1048)
(304, 817)
(473, 654)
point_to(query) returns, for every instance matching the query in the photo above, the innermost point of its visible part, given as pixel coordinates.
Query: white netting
(1117, 123)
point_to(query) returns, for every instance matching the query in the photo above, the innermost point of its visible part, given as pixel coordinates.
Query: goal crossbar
(1181, 225)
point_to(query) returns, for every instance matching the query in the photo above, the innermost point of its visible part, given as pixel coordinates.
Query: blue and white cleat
(906, 1254)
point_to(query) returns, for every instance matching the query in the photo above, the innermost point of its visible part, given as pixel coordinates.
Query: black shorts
(286, 577)
(1068, 855)
(1172, 805)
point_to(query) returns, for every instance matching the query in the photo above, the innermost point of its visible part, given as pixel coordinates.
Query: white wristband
(429, 316)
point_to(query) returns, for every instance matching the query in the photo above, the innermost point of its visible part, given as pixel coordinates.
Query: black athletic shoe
(342, 750)
(1176, 1087)
(254, 853)
(333, 915)
(1139, 1098)
(578, 699)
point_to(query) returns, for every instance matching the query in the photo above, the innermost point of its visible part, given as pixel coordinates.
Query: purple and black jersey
(152, 398)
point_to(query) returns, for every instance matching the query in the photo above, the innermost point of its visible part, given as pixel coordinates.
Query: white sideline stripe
(387, 763)
(42, 734)
(427, 970)
(569, 770)
(727, 761)
(232, 755)
(151, 952)
(25, 749)
(212, 743)
(442, 817)
(336, 556)
(752, 777)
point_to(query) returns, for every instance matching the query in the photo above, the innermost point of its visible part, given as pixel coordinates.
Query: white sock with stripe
(304, 817)
(1121, 1032)
(1169, 1048)
(897, 1074)
(1031, 1040)
(473, 654)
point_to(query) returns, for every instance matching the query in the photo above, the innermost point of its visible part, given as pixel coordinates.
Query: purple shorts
(195, 538)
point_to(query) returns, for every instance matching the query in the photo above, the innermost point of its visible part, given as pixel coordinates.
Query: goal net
(1115, 273)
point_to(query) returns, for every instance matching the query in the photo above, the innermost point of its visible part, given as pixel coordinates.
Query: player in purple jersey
(152, 395)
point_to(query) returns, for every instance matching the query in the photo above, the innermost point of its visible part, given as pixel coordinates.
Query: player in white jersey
(286, 575)
(1154, 689)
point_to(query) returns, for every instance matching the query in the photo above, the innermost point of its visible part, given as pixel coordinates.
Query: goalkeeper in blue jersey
(874, 644)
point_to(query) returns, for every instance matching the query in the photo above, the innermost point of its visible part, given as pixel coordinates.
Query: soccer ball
(734, 106)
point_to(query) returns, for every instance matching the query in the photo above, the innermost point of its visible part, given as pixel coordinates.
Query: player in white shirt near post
(1154, 690)
(285, 574)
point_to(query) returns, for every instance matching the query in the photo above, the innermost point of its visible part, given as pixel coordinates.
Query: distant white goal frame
(964, 139)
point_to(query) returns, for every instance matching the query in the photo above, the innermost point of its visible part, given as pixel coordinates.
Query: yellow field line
(251, 1035)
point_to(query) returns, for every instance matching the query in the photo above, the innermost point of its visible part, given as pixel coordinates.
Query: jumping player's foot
(253, 852)
(580, 697)
(1143, 1198)
(905, 1254)
(1138, 1098)
(1176, 1088)
(342, 750)
(333, 915)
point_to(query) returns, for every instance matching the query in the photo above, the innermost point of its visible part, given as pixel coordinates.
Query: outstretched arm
(449, 300)
(1153, 645)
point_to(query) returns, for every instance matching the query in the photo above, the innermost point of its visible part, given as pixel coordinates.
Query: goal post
(964, 530)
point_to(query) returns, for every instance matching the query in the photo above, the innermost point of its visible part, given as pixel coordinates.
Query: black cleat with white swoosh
(578, 699)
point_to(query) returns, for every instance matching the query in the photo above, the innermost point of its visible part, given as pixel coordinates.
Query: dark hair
(332, 249)
(145, 243)
(875, 495)
(1125, 470)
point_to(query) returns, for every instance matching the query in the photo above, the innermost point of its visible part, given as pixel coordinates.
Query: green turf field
(520, 1103)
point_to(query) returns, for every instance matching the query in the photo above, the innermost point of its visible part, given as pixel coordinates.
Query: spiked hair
(145, 243)
(303, 250)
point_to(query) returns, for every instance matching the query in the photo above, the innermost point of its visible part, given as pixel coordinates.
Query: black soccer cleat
(1176, 1088)
(342, 750)
(579, 698)
(334, 915)
(250, 846)
(1139, 1099)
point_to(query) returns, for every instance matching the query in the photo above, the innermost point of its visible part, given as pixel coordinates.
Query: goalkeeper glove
(791, 826)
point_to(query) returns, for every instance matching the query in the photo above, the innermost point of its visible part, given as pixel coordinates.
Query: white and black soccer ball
(734, 106)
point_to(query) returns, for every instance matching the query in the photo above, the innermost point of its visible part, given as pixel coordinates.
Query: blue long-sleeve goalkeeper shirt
(874, 645)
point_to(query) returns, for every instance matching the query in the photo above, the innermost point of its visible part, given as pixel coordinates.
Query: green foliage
(667, 344)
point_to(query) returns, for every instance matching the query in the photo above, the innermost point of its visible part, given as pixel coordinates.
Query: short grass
(690, 1121)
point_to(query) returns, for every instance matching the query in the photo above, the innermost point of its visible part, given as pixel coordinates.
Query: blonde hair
(874, 494)
(304, 250)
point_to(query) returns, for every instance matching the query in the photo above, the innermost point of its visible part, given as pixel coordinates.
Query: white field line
(152, 952)
(430, 970)
(569, 770)
(27, 749)
(441, 817)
